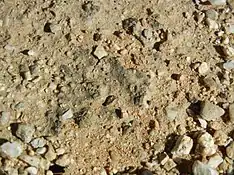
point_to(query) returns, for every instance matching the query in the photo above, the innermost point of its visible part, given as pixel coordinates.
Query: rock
(44, 164)
(50, 154)
(221, 139)
(205, 144)
(31, 160)
(11, 150)
(218, 2)
(228, 65)
(170, 164)
(4, 118)
(31, 170)
(212, 24)
(231, 112)
(228, 51)
(60, 151)
(38, 142)
(215, 160)
(63, 160)
(25, 132)
(100, 52)
(41, 150)
(147, 33)
(171, 113)
(202, 122)
(212, 14)
(230, 27)
(183, 146)
(210, 111)
(230, 150)
(163, 158)
(203, 69)
(200, 168)
(49, 172)
(67, 115)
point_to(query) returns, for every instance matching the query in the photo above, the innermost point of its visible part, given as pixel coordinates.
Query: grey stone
(100, 52)
(210, 111)
(67, 115)
(11, 150)
(4, 118)
(25, 132)
(38, 142)
(63, 160)
(171, 113)
(218, 2)
(41, 150)
(200, 168)
(228, 65)
(205, 144)
(183, 146)
(31, 170)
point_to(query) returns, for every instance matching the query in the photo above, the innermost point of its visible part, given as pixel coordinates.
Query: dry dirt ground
(112, 84)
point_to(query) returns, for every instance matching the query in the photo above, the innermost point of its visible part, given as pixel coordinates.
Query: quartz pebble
(210, 111)
(230, 150)
(67, 115)
(49, 172)
(11, 150)
(38, 142)
(229, 65)
(183, 146)
(100, 52)
(31, 170)
(215, 160)
(4, 118)
(212, 24)
(203, 69)
(202, 122)
(63, 160)
(200, 168)
(25, 132)
(217, 2)
(31, 160)
(41, 150)
(205, 144)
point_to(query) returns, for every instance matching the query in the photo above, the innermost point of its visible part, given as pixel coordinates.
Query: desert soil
(116, 87)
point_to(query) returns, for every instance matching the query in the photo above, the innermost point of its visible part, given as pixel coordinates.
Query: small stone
(230, 150)
(205, 144)
(63, 160)
(230, 27)
(203, 69)
(25, 132)
(228, 51)
(4, 118)
(67, 115)
(212, 14)
(210, 111)
(49, 172)
(31, 160)
(220, 138)
(215, 160)
(11, 150)
(218, 2)
(31, 170)
(212, 24)
(148, 34)
(41, 150)
(203, 123)
(183, 146)
(60, 151)
(50, 154)
(170, 164)
(100, 52)
(44, 164)
(231, 112)
(163, 158)
(200, 168)
(228, 65)
(38, 142)
(171, 113)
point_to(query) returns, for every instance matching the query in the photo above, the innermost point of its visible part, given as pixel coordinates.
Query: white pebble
(203, 69)
(38, 142)
(200, 168)
(202, 122)
(67, 115)
(217, 2)
(12, 150)
(212, 24)
(100, 52)
(215, 160)
(183, 146)
(4, 118)
(31, 170)
(206, 145)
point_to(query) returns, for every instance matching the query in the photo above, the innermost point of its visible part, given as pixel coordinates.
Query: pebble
(4, 118)
(206, 145)
(200, 168)
(212, 24)
(210, 111)
(230, 150)
(220, 138)
(100, 52)
(215, 160)
(228, 51)
(171, 113)
(163, 158)
(60, 151)
(231, 112)
(229, 65)
(11, 150)
(25, 132)
(212, 14)
(203, 69)
(67, 115)
(230, 28)
(218, 2)
(183, 146)
(170, 164)
(49, 172)
(31, 160)
(31, 170)
(38, 142)
(63, 160)
(50, 154)
(203, 123)
(41, 150)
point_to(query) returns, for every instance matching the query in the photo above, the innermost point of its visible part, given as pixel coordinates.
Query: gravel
(63, 160)
(67, 115)
(210, 111)
(31, 160)
(50, 154)
(218, 2)
(31, 170)
(205, 144)
(183, 146)
(41, 150)
(100, 52)
(11, 150)
(215, 160)
(4, 118)
(200, 168)
(203, 69)
(229, 65)
(25, 132)
(38, 142)
(231, 112)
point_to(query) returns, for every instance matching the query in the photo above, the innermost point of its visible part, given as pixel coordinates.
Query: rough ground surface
(116, 87)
